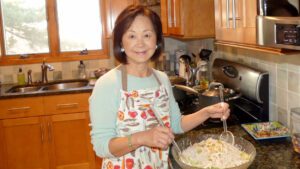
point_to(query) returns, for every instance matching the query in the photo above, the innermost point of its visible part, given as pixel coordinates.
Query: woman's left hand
(219, 110)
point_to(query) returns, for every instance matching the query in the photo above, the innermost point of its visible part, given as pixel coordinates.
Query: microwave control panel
(287, 34)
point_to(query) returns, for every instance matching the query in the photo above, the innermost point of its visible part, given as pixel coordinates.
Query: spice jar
(295, 128)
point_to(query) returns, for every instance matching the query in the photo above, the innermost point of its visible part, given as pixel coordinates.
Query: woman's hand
(160, 137)
(219, 110)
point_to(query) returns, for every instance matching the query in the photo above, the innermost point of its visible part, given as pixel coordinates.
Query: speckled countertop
(271, 154)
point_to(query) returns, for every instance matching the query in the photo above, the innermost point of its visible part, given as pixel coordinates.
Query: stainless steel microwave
(278, 23)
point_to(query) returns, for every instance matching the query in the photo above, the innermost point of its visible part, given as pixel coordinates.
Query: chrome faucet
(44, 71)
(29, 77)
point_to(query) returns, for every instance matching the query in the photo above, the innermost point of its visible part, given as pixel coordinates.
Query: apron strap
(124, 77)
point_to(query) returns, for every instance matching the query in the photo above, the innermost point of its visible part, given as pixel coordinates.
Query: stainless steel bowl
(241, 143)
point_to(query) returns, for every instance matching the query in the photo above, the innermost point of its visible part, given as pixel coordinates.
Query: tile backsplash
(284, 79)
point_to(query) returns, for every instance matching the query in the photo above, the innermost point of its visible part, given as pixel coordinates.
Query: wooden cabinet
(56, 139)
(24, 143)
(235, 21)
(112, 9)
(189, 18)
(21, 107)
(70, 141)
(180, 18)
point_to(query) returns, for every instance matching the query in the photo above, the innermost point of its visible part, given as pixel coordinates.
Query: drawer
(21, 107)
(70, 103)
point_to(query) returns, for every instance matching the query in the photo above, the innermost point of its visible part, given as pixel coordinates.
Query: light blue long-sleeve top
(105, 101)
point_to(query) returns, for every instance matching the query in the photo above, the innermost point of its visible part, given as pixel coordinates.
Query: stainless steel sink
(66, 85)
(51, 86)
(24, 89)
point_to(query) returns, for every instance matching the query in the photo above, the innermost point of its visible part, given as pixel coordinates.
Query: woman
(125, 131)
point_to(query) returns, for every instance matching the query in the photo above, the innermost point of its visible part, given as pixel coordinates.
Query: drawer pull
(67, 106)
(42, 132)
(19, 108)
(49, 131)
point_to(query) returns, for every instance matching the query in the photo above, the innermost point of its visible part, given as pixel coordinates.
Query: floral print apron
(135, 115)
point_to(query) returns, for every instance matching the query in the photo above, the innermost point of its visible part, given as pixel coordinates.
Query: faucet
(29, 77)
(44, 71)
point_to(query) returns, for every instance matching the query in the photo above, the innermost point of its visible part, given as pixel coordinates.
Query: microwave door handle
(227, 14)
(234, 13)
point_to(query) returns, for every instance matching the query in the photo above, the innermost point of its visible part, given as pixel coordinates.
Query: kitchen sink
(51, 86)
(66, 85)
(24, 89)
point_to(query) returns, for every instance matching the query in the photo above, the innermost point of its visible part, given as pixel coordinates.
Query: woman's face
(139, 41)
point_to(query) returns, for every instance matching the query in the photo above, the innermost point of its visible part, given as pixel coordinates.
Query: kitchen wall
(69, 70)
(284, 71)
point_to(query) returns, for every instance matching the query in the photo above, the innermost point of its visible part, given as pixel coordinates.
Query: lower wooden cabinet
(24, 144)
(49, 141)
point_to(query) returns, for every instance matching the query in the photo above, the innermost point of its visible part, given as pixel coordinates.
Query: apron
(135, 115)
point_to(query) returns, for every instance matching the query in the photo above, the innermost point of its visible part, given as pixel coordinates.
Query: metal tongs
(225, 135)
(159, 119)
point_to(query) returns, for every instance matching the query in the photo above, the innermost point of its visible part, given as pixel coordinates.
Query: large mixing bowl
(241, 143)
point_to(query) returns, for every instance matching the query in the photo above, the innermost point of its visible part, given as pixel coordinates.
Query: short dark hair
(124, 21)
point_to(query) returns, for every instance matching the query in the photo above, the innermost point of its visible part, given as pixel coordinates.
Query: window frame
(54, 54)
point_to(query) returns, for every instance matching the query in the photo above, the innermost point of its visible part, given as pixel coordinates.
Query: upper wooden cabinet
(112, 9)
(235, 21)
(180, 18)
(189, 18)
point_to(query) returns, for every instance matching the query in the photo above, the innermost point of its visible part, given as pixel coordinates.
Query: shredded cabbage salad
(212, 153)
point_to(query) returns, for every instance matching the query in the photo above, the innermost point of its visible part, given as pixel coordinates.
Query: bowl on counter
(240, 143)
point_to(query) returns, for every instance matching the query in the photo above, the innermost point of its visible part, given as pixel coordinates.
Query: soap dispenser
(21, 77)
(81, 70)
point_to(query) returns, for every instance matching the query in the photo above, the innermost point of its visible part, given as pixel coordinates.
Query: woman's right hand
(160, 137)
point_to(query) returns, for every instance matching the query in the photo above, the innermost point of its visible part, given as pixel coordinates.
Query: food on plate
(213, 153)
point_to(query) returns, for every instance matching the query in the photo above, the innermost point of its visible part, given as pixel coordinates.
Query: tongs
(160, 121)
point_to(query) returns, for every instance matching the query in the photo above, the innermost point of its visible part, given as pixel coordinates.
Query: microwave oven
(278, 23)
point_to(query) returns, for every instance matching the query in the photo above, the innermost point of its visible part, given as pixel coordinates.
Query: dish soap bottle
(82, 71)
(21, 77)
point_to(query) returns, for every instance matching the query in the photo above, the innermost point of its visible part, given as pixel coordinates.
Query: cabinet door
(70, 141)
(113, 8)
(242, 27)
(191, 18)
(24, 143)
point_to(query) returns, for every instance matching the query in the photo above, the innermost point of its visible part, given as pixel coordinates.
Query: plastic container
(21, 77)
(295, 128)
(202, 74)
(81, 70)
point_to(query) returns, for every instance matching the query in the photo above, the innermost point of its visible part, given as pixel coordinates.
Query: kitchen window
(55, 30)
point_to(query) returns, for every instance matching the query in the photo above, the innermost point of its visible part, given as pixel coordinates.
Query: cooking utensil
(160, 121)
(189, 140)
(211, 95)
(225, 135)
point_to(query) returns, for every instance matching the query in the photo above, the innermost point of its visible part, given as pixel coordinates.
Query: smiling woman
(56, 30)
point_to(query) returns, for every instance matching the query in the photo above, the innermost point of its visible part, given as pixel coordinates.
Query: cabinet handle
(19, 108)
(174, 13)
(49, 131)
(42, 132)
(227, 14)
(233, 14)
(170, 22)
(67, 106)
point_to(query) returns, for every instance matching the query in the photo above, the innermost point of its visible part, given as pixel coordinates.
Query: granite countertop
(270, 154)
